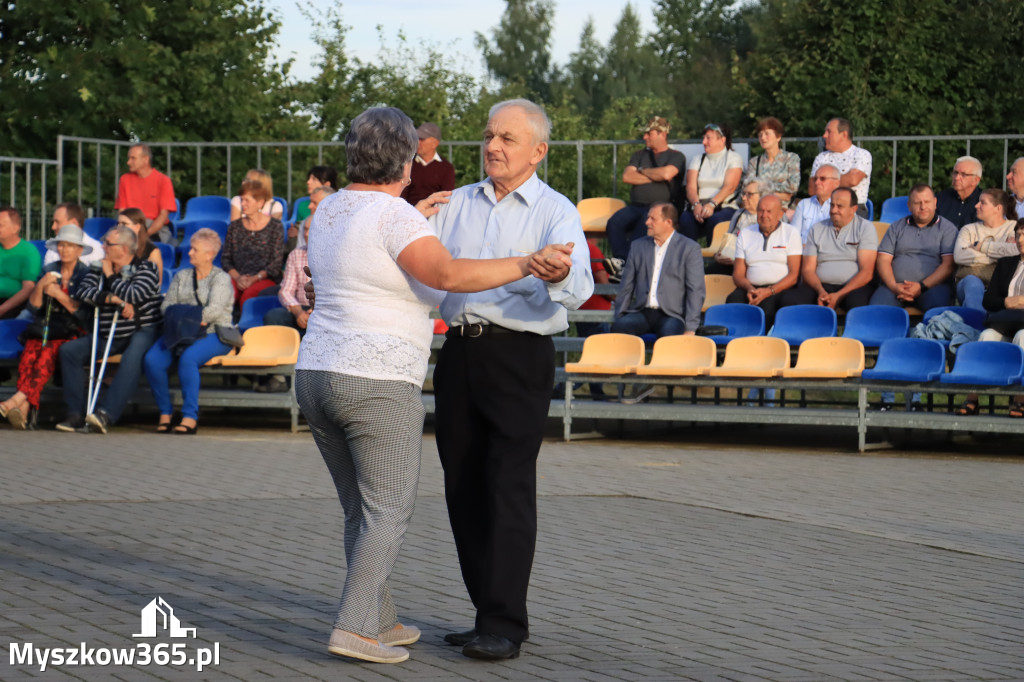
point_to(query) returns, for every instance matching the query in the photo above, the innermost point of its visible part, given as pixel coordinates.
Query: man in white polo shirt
(767, 259)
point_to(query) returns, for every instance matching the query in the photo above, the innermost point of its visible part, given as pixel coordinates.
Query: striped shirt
(140, 286)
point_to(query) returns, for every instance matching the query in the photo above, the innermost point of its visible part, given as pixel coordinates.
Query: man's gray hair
(323, 191)
(535, 116)
(834, 169)
(971, 159)
(125, 236)
(379, 143)
(146, 151)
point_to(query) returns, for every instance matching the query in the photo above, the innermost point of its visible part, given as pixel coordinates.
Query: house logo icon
(158, 615)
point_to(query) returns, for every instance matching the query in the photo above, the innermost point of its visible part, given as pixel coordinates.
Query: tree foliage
(518, 52)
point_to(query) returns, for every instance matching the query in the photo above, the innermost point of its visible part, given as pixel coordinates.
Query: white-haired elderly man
(815, 209)
(956, 203)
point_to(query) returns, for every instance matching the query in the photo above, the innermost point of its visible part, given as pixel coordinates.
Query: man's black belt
(472, 331)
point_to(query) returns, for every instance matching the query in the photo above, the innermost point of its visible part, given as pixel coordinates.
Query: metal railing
(87, 169)
(28, 178)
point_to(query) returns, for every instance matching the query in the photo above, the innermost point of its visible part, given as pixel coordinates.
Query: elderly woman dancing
(377, 268)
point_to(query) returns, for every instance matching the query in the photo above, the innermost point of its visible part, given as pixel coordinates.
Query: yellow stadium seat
(830, 357)
(609, 354)
(882, 228)
(680, 356)
(753, 356)
(716, 239)
(716, 289)
(596, 211)
(266, 346)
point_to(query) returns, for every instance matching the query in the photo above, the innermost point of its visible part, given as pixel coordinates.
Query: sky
(449, 24)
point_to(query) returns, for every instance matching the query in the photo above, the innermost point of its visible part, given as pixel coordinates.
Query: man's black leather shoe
(491, 648)
(460, 638)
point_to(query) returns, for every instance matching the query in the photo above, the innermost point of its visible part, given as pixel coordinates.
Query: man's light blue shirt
(473, 224)
(809, 213)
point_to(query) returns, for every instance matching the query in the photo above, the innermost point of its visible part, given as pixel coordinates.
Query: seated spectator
(272, 207)
(750, 195)
(839, 258)
(292, 293)
(815, 208)
(767, 260)
(653, 175)
(662, 287)
(1015, 184)
(429, 173)
(253, 251)
(19, 265)
(318, 176)
(135, 220)
(915, 257)
(54, 302)
(854, 163)
(781, 169)
(129, 286)
(72, 214)
(979, 245)
(1004, 301)
(956, 203)
(711, 184)
(202, 284)
(149, 190)
(315, 197)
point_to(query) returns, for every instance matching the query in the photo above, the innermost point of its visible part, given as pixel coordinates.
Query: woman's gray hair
(763, 186)
(208, 236)
(379, 143)
(125, 236)
(535, 116)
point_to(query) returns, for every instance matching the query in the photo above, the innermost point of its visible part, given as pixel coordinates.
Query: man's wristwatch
(924, 287)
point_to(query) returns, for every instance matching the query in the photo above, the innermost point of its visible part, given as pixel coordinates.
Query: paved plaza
(682, 556)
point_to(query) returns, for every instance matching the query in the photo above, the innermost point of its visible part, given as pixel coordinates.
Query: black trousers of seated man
(769, 305)
(802, 294)
(492, 395)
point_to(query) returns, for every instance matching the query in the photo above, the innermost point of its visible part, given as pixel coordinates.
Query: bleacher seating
(265, 346)
(165, 283)
(595, 212)
(990, 363)
(716, 289)
(895, 208)
(874, 324)
(168, 253)
(970, 316)
(97, 227)
(798, 323)
(210, 207)
(40, 245)
(827, 358)
(254, 309)
(741, 319)
(608, 354)
(871, 209)
(10, 347)
(680, 356)
(294, 217)
(190, 227)
(753, 356)
(914, 360)
(717, 236)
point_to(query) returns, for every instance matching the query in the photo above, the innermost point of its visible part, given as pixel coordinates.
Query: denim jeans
(74, 361)
(158, 361)
(969, 291)
(648, 321)
(626, 225)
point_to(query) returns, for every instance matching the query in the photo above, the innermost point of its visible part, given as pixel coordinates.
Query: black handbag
(230, 335)
(183, 322)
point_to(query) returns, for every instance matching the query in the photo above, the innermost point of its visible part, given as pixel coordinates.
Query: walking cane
(95, 341)
(103, 365)
(46, 320)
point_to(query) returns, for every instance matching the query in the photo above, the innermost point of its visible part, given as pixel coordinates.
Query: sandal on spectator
(969, 409)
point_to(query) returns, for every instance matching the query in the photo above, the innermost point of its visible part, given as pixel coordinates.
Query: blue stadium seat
(871, 209)
(895, 208)
(304, 201)
(167, 253)
(908, 360)
(254, 309)
(971, 316)
(989, 363)
(741, 319)
(165, 284)
(208, 208)
(284, 207)
(798, 323)
(40, 245)
(190, 227)
(873, 324)
(10, 347)
(97, 227)
(176, 215)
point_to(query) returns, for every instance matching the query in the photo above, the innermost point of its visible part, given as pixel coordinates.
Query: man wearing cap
(72, 214)
(430, 173)
(19, 264)
(148, 190)
(655, 177)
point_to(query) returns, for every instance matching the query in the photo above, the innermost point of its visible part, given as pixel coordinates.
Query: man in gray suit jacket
(663, 281)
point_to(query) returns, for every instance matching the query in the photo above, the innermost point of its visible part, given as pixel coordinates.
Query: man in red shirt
(148, 190)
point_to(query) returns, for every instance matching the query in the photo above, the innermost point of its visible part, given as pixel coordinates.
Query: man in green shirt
(20, 264)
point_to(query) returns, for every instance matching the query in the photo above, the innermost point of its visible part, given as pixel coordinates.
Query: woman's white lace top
(371, 319)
